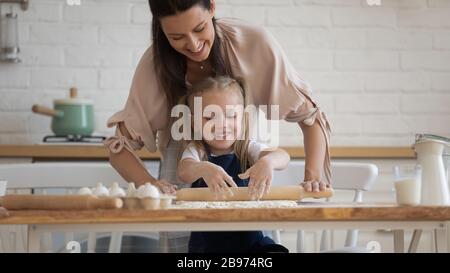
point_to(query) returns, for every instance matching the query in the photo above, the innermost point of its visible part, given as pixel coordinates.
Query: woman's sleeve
(271, 80)
(139, 113)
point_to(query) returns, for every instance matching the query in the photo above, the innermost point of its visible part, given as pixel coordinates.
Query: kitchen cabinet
(10, 154)
(54, 152)
(99, 152)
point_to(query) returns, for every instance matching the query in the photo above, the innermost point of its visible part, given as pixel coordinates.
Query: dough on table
(234, 204)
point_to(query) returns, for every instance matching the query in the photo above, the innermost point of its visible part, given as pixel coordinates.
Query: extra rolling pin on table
(3, 212)
(59, 202)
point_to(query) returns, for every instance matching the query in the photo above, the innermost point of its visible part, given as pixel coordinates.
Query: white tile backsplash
(381, 73)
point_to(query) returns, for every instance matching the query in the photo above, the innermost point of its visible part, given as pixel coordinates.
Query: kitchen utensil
(241, 194)
(9, 40)
(59, 202)
(72, 139)
(73, 116)
(430, 155)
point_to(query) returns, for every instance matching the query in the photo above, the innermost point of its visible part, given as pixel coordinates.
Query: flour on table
(234, 204)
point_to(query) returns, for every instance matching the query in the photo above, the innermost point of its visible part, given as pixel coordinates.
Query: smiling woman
(185, 43)
(190, 45)
(196, 41)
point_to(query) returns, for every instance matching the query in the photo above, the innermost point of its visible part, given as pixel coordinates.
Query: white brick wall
(381, 73)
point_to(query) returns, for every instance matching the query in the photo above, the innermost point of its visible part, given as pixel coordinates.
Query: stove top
(73, 139)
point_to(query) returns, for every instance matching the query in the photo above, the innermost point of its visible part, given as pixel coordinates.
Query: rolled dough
(234, 204)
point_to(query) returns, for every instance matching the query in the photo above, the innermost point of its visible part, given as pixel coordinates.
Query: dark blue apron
(230, 241)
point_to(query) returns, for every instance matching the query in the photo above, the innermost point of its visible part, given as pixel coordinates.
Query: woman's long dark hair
(170, 65)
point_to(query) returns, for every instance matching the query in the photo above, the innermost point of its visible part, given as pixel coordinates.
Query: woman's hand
(165, 186)
(218, 181)
(260, 175)
(314, 185)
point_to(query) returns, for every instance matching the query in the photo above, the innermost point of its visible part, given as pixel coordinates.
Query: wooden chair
(348, 176)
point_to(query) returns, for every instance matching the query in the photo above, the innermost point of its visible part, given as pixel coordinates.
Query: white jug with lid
(430, 155)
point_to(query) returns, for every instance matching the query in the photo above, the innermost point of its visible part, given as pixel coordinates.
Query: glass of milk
(408, 181)
(3, 188)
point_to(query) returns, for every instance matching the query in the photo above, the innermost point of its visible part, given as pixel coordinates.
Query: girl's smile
(221, 129)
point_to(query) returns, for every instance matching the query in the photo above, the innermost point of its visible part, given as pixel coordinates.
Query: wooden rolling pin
(59, 202)
(241, 194)
(3, 212)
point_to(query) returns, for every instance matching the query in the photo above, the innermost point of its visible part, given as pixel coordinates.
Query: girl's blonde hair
(223, 84)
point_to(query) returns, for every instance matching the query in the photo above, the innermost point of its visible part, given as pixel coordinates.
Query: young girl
(228, 159)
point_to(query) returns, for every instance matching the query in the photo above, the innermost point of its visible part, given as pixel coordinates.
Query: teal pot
(72, 116)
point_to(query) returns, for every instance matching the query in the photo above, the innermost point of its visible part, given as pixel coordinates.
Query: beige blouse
(255, 57)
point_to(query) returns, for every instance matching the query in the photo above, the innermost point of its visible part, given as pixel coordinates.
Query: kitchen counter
(99, 152)
(54, 151)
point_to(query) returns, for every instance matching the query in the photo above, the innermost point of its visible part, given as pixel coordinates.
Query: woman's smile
(199, 52)
(191, 32)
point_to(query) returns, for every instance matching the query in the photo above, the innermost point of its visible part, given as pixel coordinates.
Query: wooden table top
(304, 212)
(101, 152)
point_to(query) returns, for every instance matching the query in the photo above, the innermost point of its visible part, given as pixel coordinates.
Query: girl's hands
(218, 181)
(260, 175)
(165, 186)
